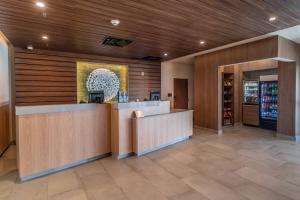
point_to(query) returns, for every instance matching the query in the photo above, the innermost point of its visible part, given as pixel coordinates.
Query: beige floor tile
(184, 158)
(245, 162)
(7, 166)
(176, 168)
(89, 169)
(165, 182)
(108, 191)
(78, 194)
(116, 168)
(263, 167)
(289, 157)
(257, 192)
(140, 163)
(163, 153)
(261, 156)
(96, 180)
(270, 182)
(142, 191)
(62, 182)
(227, 178)
(212, 189)
(32, 190)
(220, 164)
(7, 183)
(189, 195)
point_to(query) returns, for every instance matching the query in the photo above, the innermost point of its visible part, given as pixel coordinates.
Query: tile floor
(245, 163)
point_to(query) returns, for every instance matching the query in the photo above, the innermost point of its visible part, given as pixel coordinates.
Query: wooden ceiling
(155, 26)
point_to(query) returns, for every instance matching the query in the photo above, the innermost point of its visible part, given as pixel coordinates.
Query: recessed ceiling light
(40, 4)
(166, 54)
(115, 22)
(202, 42)
(45, 37)
(30, 47)
(272, 19)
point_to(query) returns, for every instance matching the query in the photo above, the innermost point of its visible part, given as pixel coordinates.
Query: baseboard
(219, 132)
(58, 169)
(163, 146)
(238, 124)
(288, 137)
(123, 156)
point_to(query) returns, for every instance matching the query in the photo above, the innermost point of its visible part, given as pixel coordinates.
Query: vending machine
(251, 90)
(268, 106)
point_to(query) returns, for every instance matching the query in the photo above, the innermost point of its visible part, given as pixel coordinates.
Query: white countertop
(169, 113)
(137, 105)
(43, 109)
(29, 110)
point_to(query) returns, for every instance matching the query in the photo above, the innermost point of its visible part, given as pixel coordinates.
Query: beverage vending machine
(268, 102)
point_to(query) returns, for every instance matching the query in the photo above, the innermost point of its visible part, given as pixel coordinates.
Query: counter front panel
(51, 140)
(121, 123)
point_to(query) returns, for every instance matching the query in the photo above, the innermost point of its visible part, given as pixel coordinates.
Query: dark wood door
(181, 95)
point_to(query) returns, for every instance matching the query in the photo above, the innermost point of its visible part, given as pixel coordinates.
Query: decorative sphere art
(105, 80)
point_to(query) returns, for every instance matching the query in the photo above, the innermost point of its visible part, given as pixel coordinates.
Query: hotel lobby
(143, 100)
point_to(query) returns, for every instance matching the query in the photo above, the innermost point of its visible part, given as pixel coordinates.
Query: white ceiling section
(292, 33)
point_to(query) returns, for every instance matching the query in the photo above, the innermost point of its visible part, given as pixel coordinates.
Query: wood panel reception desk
(153, 132)
(55, 137)
(51, 138)
(121, 127)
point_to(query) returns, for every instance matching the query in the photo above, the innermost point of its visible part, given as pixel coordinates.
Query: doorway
(181, 95)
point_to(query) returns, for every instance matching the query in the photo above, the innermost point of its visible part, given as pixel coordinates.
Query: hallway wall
(171, 70)
(4, 95)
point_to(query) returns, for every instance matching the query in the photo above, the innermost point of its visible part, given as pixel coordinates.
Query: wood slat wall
(207, 77)
(49, 77)
(207, 81)
(4, 127)
(287, 98)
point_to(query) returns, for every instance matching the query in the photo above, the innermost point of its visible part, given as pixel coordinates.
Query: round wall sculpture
(105, 80)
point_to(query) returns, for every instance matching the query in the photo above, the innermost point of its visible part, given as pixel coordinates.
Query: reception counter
(154, 132)
(51, 138)
(55, 137)
(121, 123)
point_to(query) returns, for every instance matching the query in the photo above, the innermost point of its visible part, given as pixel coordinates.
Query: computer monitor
(154, 96)
(96, 97)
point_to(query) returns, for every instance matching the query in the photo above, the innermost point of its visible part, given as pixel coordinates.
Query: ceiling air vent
(116, 42)
(152, 58)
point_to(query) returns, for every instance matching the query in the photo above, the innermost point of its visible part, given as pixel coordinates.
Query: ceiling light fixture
(272, 19)
(30, 47)
(202, 42)
(45, 37)
(40, 4)
(115, 22)
(165, 54)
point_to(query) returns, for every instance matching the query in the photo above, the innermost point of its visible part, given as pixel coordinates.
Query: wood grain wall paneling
(121, 123)
(251, 115)
(207, 100)
(51, 140)
(152, 132)
(49, 77)
(291, 51)
(4, 127)
(287, 98)
(274, 47)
